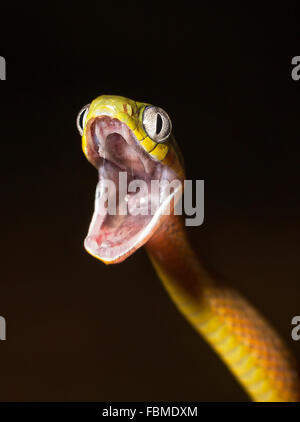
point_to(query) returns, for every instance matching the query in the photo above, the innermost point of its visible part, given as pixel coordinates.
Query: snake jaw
(114, 150)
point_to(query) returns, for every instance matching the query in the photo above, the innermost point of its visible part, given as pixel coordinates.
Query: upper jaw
(113, 140)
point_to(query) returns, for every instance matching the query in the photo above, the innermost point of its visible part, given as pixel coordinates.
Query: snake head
(140, 173)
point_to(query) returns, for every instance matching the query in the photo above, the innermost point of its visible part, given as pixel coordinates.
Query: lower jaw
(105, 247)
(111, 238)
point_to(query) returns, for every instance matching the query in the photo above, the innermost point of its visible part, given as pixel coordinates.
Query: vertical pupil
(82, 118)
(158, 123)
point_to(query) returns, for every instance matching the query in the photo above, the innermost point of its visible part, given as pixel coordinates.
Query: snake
(132, 141)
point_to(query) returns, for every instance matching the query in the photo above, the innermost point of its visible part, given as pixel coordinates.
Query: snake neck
(175, 260)
(241, 337)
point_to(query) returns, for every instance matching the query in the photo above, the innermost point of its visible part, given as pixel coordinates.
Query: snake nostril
(127, 108)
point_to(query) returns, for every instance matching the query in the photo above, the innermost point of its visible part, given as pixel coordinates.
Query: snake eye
(81, 117)
(157, 123)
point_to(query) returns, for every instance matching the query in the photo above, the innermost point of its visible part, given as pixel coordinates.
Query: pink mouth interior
(112, 237)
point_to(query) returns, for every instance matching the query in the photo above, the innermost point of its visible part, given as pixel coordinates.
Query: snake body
(236, 331)
(242, 338)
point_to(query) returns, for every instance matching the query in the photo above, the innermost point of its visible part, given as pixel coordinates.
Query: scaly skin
(238, 333)
(242, 338)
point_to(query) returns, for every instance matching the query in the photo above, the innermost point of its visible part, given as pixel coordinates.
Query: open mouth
(132, 194)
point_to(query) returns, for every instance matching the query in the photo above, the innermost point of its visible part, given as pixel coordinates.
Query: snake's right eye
(81, 118)
(157, 123)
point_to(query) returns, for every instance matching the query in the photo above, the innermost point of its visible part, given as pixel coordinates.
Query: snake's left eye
(157, 123)
(81, 117)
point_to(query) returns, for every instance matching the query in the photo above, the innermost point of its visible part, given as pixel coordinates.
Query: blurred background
(78, 330)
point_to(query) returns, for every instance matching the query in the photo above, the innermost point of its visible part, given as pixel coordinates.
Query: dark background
(76, 329)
